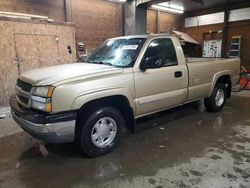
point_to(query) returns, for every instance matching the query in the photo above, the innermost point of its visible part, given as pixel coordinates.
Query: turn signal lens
(48, 107)
(50, 91)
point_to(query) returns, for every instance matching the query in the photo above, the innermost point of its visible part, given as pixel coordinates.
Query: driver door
(164, 87)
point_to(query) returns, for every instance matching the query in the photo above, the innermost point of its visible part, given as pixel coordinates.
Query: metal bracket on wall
(17, 62)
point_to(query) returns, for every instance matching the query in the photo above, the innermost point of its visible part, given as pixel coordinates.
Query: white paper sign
(212, 48)
(130, 47)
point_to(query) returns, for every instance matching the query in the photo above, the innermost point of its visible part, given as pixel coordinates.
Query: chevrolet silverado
(122, 80)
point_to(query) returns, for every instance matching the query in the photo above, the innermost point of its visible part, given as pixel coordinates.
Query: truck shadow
(167, 116)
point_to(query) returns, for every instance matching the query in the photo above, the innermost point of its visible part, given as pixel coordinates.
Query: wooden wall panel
(8, 69)
(36, 51)
(96, 21)
(28, 39)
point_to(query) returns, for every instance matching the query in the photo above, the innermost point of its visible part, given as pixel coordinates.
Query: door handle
(178, 74)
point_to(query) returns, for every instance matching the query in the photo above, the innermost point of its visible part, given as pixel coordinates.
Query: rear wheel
(217, 100)
(99, 131)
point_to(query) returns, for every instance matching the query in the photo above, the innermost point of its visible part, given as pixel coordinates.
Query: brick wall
(241, 28)
(50, 8)
(152, 21)
(165, 22)
(96, 20)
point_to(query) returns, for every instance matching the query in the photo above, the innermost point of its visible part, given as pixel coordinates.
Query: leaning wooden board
(32, 45)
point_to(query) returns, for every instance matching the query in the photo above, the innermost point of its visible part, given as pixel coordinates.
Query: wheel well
(119, 102)
(226, 79)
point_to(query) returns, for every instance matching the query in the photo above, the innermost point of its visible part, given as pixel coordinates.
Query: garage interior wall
(234, 28)
(94, 20)
(160, 22)
(106, 15)
(51, 8)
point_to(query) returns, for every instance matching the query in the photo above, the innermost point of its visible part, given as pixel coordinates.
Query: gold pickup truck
(122, 80)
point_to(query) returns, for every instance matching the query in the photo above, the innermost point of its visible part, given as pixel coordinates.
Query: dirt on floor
(183, 147)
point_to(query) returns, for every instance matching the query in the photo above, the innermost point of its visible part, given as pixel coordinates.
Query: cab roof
(144, 36)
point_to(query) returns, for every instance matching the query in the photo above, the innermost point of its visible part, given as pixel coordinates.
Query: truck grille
(23, 100)
(23, 93)
(24, 85)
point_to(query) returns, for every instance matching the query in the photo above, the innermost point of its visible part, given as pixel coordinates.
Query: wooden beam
(148, 3)
(225, 30)
(21, 15)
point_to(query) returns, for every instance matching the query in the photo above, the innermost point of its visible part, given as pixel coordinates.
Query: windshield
(117, 52)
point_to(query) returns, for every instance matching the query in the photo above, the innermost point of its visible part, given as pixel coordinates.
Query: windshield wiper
(100, 62)
(106, 63)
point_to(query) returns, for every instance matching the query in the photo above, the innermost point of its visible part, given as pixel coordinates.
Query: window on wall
(164, 49)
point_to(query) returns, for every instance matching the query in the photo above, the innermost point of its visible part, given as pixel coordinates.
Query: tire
(217, 100)
(99, 131)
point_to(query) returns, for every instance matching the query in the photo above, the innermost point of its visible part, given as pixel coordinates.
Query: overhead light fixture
(172, 5)
(169, 8)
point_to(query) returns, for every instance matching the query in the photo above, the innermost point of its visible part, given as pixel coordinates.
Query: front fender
(82, 99)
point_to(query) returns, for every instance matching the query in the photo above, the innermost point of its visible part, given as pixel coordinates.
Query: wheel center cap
(104, 130)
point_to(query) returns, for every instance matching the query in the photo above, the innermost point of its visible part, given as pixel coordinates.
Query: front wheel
(217, 100)
(100, 131)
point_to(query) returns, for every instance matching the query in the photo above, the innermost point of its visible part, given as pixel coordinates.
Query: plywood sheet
(37, 45)
(36, 51)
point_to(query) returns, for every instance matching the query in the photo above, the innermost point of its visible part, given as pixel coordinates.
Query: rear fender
(216, 77)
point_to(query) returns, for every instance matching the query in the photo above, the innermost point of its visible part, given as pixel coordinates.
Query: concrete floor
(184, 147)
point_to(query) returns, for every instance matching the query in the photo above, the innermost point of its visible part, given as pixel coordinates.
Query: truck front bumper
(50, 128)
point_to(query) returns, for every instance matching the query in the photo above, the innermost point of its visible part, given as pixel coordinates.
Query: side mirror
(152, 63)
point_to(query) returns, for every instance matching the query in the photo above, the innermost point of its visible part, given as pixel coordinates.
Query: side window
(164, 49)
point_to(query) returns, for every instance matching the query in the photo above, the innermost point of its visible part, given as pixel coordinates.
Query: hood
(67, 73)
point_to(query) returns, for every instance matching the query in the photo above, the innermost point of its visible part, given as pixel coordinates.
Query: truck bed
(203, 72)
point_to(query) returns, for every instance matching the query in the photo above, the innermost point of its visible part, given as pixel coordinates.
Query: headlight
(45, 91)
(41, 98)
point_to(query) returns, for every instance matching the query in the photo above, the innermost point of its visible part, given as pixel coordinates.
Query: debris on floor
(2, 116)
(43, 150)
(17, 165)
